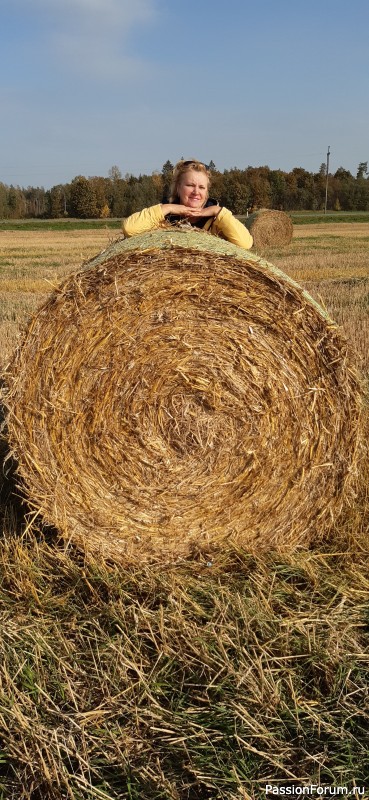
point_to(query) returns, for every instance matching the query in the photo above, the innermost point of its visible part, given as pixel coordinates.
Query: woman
(189, 201)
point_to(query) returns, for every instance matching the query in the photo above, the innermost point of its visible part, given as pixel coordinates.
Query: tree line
(237, 189)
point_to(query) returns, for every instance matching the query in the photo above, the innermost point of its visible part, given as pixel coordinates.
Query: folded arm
(146, 220)
(230, 228)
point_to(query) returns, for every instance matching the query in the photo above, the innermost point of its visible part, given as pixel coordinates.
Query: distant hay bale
(178, 394)
(268, 228)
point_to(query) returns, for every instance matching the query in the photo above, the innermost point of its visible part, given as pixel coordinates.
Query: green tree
(35, 201)
(260, 190)
(362, 187)
(344, 187)
(278, 186)
(4, 210)
(118, 201)
(99, 186)
(343, 174)
(17, 206)
(56, 202)
(116, 193)
(320, 187)
(362, 170)
(167, 175)
(217, 185)
(83, 200)
(236, 192)
(142, 192)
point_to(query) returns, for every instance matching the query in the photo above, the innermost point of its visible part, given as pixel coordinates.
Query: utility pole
(326, 181)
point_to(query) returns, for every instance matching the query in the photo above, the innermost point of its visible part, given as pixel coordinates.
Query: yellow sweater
(224, 225)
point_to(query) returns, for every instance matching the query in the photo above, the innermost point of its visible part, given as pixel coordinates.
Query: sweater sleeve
(146, 220)
(230, 228)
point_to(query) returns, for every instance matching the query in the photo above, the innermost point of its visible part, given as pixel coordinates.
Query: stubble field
(330, 260)
(206, 681)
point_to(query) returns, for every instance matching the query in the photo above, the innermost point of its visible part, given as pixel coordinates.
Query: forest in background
(239, 190)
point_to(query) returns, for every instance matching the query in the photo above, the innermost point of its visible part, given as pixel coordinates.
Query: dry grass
(352, 231)
(203, 682)
(331, 261)
(197, 682)
(317, 253)
(32, 263)
(180, 396)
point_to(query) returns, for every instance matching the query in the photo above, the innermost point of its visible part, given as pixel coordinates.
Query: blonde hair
(180, 169)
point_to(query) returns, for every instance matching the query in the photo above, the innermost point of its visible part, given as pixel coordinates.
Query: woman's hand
(210, 211)
(174, 208)
(190, 213)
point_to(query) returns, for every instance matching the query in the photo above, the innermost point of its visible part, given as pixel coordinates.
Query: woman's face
(193, 189)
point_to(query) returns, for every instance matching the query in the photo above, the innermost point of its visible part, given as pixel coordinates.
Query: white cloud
(102, 58)
(109, 13)
(125, 12)
(91, 38)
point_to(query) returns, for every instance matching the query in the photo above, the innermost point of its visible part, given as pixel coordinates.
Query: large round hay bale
(269, 228)
(179, 393)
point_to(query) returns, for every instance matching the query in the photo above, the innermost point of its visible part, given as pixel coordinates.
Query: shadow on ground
(15, 512)
(12, 505)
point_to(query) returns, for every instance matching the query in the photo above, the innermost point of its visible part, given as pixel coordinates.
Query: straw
(179, 393)
(269, 227)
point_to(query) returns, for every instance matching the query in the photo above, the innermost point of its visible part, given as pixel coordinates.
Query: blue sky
(88, 84)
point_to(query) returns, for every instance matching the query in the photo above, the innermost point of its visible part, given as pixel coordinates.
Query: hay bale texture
(179, 393)
(269, 228)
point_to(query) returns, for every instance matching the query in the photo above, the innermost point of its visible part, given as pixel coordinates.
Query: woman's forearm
(146, 220)
(232, 229)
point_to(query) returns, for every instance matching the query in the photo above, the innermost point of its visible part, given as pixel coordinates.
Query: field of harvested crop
(31, 264)
(330, 260)
(207, 680)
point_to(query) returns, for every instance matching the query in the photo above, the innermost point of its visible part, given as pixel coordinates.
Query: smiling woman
(190, 203)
